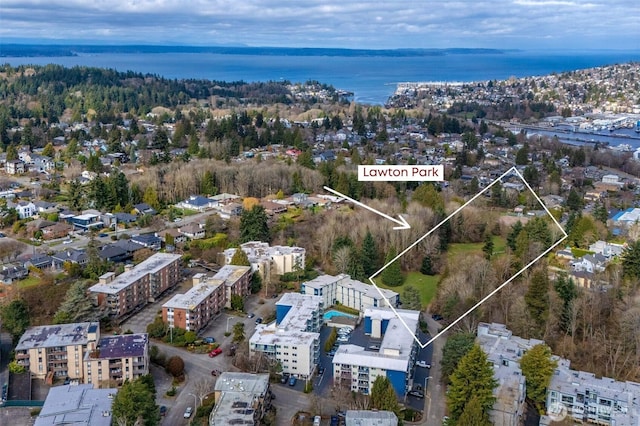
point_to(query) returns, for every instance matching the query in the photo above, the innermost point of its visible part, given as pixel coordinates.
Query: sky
(505, 24)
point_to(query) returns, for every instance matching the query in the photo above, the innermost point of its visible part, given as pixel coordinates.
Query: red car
(215, 352)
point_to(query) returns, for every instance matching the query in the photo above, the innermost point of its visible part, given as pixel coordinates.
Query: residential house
(25, 209)
(590, 263)
(144, 208)
(15, 167)
(608, 250)
(76, 404)
(192, 231)
(151, 241)
(11, 273)
(86, 221)
(40, 261)
(178, 237)
(198, 203)
(57, 230)
(114, 253)
(72, 255)
(41, 163)
(45, 207)
(272, 208)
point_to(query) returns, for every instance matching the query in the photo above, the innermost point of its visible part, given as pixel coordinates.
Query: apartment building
(57, 350)
(572, 394)
(241, 399)
(137, 286)
(193, 310)
(392, 356)
(76, 405)
(366, 418)
(270, 260)
(294, 338)
(504, 351)
(346, 291)
(116, 359)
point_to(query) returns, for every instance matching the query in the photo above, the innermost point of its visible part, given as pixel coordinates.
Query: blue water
(372, 78)
(330, 314)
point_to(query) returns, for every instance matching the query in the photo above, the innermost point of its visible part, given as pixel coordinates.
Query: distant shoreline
(49, 50)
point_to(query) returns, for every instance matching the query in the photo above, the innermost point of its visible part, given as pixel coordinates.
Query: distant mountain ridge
(27, 50)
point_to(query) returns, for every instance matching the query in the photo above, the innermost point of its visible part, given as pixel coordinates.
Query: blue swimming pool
(330, 314)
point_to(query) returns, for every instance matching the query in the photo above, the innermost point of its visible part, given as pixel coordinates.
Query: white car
(423, 364)
(188, 412)
(67, 242)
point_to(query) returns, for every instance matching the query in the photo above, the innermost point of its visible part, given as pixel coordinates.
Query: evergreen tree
(538, 230)
(474, 414)
(456, 347)
(538, 367)
(15, 318)
(574, 200)
(427, 195)
(513, 235)
(522, 156)
(566, 289)
(411, 299)
(76, 306)
(383, 397)
(631, 260)
(392, 275)
(240, 258)
(487, 249)
(537, 299)
(256, 283)
(369, 255)
(600, 212)
(497, 194)
(426, 267)
(473, 377)
(354, 267)
(135, 403)
(254, 225)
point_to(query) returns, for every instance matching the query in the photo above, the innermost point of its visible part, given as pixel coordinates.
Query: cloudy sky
(526, 24)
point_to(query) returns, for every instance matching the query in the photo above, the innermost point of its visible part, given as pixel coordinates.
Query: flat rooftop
(150, 266)
(47, 336)
(237, 396)
(344, 280)
(195, 296)
(272, 335)
(370, 418)
(122, 346)
(303, 308)
(231, 273)
(242, 382)
(76, 405)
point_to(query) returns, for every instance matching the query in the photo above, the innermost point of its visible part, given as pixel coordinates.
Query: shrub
(308, 387)
(175, 366)
(35, 411)
(172, 391)
(16, 368)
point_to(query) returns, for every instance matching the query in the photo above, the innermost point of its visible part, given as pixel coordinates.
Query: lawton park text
(401, 173)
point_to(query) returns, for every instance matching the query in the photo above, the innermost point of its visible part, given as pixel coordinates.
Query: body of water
(372, 79)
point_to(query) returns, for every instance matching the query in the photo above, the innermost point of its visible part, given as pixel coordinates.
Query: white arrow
(402, 222)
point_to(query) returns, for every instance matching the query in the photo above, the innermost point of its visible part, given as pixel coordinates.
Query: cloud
(330, 23)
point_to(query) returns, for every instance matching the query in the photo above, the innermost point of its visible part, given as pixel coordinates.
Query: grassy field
(30, 281)
(426, 285)
(499, 245)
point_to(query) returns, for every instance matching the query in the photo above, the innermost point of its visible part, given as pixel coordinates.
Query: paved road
(435, 396)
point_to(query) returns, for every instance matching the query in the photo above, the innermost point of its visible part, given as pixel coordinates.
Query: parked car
(209, 340)
(320, 371)
(335, 420)
(292, 381)
(188, 412)
(284, 378)
(423, 364)
(416, 394)
(317, 420)
(163, 410)
(102, 234)
(215, 352)
(437, 317)
(251, 315)
(258, 320)
(67, 242)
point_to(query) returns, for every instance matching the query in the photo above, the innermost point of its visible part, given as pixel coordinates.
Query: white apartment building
(571, 394)
(293, 339)
(270, 260)
(357, 367)
(346, 291)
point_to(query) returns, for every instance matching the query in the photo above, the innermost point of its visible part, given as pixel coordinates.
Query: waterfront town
(173, 258)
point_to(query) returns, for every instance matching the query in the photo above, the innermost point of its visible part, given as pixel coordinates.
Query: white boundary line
(423, 345)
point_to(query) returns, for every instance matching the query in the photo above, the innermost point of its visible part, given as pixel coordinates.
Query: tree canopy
(537, 366)
(254, 225)
(15, 318)
(383, 396)
(135, 403)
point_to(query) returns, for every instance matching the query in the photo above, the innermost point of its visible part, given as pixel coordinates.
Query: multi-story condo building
(57, 350)
(241, 399)
(193, 310)
(357, 367)
(266, 260)
(348, 292)
(367, 417)
(137, 286)
(116, 359)
(293, 339)
(572, 394)
(504, 351)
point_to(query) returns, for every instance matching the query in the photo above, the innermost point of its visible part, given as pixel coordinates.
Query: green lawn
(426, 285)
(499, 245)
(30, 281)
